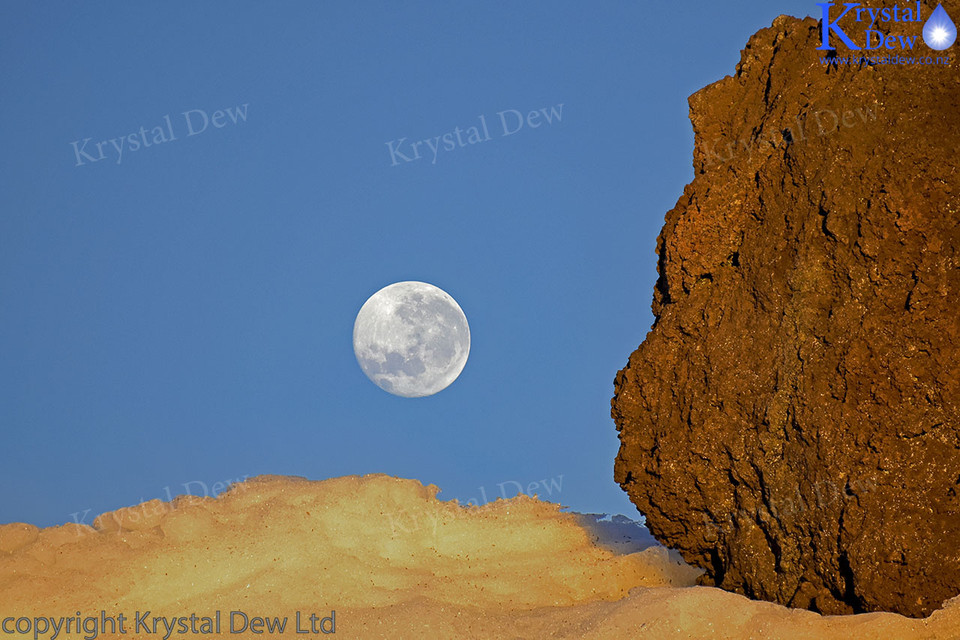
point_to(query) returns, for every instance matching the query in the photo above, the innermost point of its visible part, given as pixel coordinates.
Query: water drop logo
(939, 32)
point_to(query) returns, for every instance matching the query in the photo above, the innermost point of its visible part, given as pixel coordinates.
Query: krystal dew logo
(939, 31)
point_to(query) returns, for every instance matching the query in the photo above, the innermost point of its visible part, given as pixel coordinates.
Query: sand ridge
(391, 560)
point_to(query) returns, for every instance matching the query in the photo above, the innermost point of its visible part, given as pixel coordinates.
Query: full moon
(411, 339)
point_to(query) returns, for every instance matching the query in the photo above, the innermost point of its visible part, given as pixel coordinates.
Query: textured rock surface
(790, 423)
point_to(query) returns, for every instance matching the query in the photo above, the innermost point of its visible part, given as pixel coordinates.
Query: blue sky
(184, 316)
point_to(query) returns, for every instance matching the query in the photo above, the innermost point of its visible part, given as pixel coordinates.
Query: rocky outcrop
(790, 424)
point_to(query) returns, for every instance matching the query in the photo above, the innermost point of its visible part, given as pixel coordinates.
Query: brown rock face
(790, 423)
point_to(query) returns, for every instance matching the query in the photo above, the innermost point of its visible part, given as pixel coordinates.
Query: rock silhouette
(790, 424)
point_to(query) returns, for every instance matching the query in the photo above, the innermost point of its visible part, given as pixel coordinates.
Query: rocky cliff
(790, 423)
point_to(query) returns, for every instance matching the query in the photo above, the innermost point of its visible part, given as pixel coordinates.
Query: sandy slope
(392, 561)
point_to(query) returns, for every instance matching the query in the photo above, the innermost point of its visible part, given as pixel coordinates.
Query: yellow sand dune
(373, 557)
